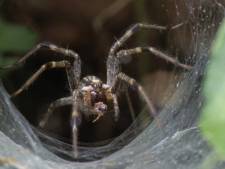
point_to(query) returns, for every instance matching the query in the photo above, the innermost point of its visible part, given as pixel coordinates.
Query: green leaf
(212, 121)
(15, 38)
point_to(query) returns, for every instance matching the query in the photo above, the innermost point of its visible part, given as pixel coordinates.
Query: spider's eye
(97, 85)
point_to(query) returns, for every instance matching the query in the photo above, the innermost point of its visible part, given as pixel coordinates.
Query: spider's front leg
(75, 122)
(73, 73)
(113, 63)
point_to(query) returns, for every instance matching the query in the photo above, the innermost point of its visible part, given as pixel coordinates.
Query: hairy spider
(90, 96)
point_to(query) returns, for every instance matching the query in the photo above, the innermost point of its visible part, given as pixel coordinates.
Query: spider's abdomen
(95, 96)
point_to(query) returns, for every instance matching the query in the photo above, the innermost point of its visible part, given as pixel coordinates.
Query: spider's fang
(98, 117)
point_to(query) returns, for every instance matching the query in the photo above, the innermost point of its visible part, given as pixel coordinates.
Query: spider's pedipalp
(57, 103)
(49, 65)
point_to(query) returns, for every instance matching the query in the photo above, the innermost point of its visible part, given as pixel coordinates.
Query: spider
(90, 96)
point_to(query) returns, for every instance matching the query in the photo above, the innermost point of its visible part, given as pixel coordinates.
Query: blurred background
(90, 28)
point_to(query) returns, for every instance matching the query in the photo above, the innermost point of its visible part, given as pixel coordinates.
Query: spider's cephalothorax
(95, 97)
(90, 96)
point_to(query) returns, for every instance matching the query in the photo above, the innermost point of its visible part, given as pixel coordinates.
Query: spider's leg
(49, 65)
(156, 52)
(74, 72)
(130, 82)
(116, 108)
(44, 45)
(73, 75)
(28, 55)
(57, 103)
(136, 27)
(75, 122)
(113, 63)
